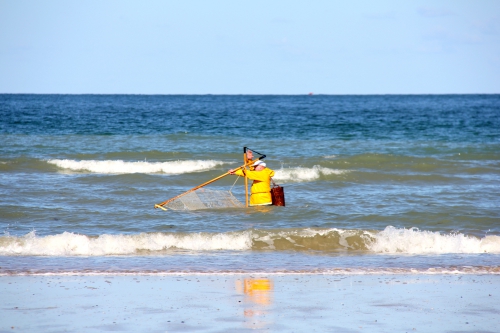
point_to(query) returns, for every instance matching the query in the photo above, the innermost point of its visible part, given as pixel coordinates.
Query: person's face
(259, 167)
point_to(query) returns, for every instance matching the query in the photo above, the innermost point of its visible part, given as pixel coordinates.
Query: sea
(374, 184)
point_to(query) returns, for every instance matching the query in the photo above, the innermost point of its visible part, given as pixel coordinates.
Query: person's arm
(239, 172)
(258, 175)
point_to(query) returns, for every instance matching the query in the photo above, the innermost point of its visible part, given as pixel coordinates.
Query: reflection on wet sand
(258, 297)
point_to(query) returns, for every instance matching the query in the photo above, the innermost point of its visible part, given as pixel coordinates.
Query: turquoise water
(372, 183)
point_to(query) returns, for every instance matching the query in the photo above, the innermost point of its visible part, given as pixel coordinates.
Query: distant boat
(310, 94)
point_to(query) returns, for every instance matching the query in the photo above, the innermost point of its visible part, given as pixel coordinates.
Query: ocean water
(373, 184)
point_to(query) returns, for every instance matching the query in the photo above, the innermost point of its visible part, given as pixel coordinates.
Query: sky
(250, 47)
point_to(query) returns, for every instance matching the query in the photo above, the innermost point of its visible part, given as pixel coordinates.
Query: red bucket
(278, 195)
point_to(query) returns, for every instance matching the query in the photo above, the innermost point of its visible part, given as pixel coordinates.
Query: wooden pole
(160, 205)
(245, 160)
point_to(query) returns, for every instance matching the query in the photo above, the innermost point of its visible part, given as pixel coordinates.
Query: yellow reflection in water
(258, 290)
(258, 296)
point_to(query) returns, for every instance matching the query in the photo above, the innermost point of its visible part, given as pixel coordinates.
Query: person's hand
(249, 155)
(231, 172)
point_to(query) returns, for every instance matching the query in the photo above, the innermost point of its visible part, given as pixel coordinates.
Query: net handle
(160, 205)
(245, 160)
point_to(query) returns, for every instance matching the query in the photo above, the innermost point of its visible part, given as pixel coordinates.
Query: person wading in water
(260, 193)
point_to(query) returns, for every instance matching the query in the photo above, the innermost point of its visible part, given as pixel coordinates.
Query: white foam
(415, 241)
(389, 241)
(124, 167)
(70, 244)
(301, 174)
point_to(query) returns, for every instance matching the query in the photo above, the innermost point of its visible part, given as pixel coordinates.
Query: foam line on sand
(240, 303)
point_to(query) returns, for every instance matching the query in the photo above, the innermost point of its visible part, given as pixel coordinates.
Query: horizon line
(243, 94)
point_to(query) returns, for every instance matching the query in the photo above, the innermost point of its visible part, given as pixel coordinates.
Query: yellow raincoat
(261, 187)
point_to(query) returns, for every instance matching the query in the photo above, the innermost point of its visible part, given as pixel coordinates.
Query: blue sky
(249, 47)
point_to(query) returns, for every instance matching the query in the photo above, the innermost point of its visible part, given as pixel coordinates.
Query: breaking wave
(389, 241)
(301, 174)
(124, 167)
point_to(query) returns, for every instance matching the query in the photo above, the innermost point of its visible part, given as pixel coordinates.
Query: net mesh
(204, 198)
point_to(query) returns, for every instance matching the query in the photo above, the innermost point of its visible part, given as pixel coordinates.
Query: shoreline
(493, 271)
(250, 302)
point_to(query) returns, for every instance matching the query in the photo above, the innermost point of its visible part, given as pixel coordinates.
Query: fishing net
(204, 198)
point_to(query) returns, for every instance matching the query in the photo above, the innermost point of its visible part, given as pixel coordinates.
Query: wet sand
(240, 303)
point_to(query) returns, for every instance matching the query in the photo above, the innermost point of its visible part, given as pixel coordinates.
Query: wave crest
(415, 241)
(389, 241)
(301, 174)
(124, 167)
(70, 244)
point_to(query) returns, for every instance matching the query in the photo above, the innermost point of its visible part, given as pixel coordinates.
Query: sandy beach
(365, 143)
(239, 303)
